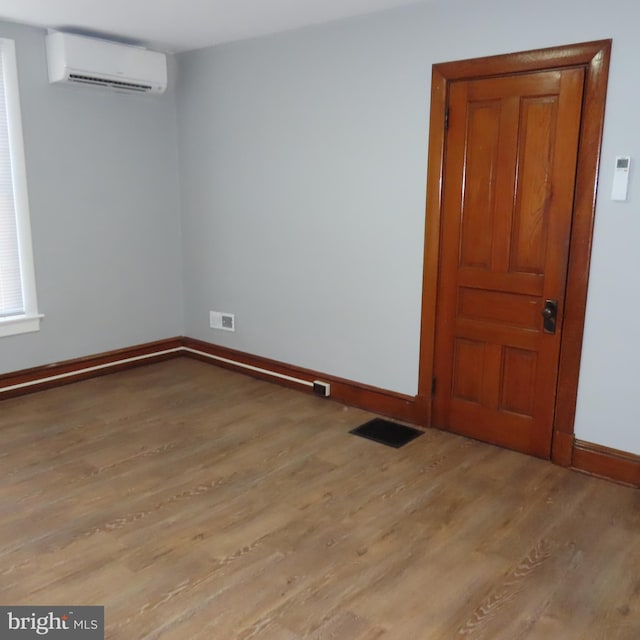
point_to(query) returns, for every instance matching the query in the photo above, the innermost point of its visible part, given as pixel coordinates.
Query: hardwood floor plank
(194, 502)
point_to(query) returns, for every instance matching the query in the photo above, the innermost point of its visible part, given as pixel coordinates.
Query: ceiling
(181, 25)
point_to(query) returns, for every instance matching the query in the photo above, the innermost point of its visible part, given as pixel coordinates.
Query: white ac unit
(94, 62)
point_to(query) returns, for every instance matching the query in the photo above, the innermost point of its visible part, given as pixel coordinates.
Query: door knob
(549, 315)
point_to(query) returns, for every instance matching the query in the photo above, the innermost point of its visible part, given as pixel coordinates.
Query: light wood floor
(196, 503)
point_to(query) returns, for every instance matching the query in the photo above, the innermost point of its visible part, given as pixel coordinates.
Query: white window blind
(18, 309)
(11, 298)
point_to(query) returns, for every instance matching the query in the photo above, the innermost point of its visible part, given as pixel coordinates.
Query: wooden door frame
(594, 58)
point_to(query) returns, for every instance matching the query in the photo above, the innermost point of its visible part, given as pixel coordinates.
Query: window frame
(29, 321)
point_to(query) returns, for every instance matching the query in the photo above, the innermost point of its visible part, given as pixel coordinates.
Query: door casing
(594, 58)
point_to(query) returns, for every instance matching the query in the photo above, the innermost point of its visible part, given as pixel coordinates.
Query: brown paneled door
(511, 150)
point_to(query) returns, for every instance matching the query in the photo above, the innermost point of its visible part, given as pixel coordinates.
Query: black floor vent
(386, 432)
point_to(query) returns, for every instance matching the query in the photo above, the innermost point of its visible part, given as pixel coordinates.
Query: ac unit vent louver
(115, 84)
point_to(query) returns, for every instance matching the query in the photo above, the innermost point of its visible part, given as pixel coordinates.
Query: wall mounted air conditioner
(92, 62)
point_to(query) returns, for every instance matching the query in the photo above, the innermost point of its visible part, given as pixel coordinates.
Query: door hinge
(446, 119)
(433, 386)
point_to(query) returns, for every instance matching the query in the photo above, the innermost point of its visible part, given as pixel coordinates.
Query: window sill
(19, 324)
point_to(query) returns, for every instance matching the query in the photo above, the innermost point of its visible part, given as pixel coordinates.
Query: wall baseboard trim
(593, 459)
(354, 394)
(60, 373)
(603, 462)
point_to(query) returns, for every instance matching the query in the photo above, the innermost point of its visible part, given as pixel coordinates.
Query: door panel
(509, 175)
(536, 153)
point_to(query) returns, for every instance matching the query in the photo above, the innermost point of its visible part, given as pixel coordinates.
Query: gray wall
(303, 163)
(102, 178)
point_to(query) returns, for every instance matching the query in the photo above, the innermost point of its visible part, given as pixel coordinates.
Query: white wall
(303, 163)
(102, 177)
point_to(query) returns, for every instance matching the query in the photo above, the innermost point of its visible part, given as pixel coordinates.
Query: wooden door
(511, 150)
